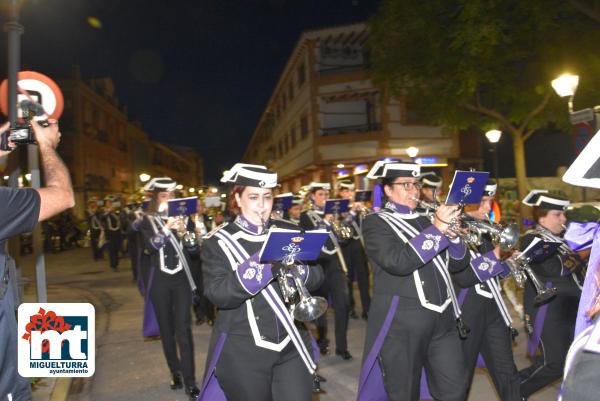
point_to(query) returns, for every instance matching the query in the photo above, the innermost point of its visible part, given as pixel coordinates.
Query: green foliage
(450, 56)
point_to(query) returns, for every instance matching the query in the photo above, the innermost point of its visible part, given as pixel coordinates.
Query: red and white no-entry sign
(37, 87)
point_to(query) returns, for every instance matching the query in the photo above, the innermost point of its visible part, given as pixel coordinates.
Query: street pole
(496, 173)
(14, 31)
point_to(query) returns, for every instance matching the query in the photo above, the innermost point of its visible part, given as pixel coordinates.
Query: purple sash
(538, 327)
(211, 390)
(370, 387)
(150, 328)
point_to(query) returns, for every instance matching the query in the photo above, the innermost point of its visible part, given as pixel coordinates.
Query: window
(304, 127)
(280, 145)
(286, 144)
(301, 74)
(291, 90)
(293, 136)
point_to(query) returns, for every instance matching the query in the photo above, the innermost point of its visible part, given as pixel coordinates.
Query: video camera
(22, 133)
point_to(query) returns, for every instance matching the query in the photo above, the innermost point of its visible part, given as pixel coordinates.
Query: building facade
(106, 153)
(326, 120)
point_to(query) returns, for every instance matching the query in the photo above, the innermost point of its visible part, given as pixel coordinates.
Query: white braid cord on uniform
(495, 291)
(441, 264)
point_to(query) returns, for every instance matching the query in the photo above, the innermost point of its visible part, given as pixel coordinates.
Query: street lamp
(412, 151)
(566, 85)
(192, 190)
(144, 177)
(493, 136)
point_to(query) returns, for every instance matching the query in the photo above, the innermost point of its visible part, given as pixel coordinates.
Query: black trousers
(172, 300)
(97, 252)
(356, 262)
(114, 247)
(249, 373)
(204, 310)
(134, 254)
(556, 338)
(335, 283)
(492, 338)
(417, 339)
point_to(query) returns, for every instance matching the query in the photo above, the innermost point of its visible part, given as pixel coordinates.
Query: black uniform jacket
(235, 288)
(552, 269)
(406, 269)
(156, 245)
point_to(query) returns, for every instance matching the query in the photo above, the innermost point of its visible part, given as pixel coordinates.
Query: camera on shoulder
(22, 133)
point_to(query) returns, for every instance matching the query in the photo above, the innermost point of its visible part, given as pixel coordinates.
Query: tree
(485, 63)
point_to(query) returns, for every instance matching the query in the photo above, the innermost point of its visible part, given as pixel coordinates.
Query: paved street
(129, 368)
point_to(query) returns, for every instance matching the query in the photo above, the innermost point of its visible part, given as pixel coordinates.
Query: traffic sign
(37, 87)
(582, 133)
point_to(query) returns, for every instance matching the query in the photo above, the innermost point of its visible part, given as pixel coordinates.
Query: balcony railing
(350, 129)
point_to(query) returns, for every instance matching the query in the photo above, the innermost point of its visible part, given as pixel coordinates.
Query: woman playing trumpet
(551, 325)
(166, 282)
(256, 351)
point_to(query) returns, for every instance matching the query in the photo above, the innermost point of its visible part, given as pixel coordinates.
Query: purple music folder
(283, 201)
(301, 245)
(183, 206)
(336, 206)
(467, 187)
(362, 196)
(539, 249)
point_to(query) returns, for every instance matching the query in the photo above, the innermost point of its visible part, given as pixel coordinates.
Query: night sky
(196, 73)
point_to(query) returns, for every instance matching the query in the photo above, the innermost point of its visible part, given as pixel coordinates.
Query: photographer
(21, 210)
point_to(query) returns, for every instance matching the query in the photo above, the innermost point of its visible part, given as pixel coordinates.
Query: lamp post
(493, 136)
(566, 86)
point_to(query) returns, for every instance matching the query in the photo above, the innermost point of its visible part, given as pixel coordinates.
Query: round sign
(37, 87)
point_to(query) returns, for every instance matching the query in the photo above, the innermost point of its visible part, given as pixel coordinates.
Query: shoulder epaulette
(210, 234)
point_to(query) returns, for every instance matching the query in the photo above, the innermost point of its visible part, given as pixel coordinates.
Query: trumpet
(521, 270)
(303, 306)
(431, 208)
(507, 236)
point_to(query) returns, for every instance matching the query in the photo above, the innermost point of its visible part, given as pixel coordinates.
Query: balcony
(350, 129)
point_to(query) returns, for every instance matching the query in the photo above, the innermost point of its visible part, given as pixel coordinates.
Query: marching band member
(335, 279)
(168, 284)
(112, 229)
(484, 310)
(256, 351)
(296, 209)
(203, 309)
(96, 228)
(553, 323)
(431, 184)
(411, 323)
(354, 253)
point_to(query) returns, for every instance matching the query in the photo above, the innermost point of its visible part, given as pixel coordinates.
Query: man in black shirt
(20, 212)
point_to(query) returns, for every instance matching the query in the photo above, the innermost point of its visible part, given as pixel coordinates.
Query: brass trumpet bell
(309, 309)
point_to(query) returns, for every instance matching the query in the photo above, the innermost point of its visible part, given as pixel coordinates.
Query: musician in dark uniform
(111, 224)
(296, 209)
(336, 281)
(431, 185)
(166, 278)
(257, 352)
(131, 213)
(354, 253)
(96, 227)
(203, 309)
(414, 314)
(551, 325)
(484, 310)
